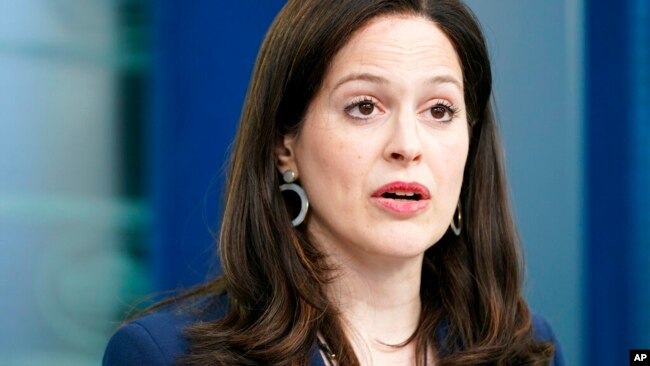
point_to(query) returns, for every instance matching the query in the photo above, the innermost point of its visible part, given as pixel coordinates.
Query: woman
(400, 248)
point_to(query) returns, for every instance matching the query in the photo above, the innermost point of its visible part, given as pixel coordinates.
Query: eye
(443, 112)
(364, 108)
(439, 112)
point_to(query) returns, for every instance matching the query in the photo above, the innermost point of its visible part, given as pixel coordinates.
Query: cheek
(328, 161)
(457, 159)
(334, 164)
(450, 164)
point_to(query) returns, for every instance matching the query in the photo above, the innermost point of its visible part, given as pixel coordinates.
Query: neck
(379, 301)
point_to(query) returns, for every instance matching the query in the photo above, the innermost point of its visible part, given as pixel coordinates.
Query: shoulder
(154, 339)
(542, 331)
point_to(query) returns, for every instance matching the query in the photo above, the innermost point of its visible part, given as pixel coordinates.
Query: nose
(404, 145)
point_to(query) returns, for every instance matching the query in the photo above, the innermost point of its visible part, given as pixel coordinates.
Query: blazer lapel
(315, 358)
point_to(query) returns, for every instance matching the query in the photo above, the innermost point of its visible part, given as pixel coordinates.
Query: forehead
(399, 46)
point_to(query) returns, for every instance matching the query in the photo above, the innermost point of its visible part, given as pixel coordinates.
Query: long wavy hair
(275, 278)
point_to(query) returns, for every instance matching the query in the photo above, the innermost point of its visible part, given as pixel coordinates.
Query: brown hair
(275, 277)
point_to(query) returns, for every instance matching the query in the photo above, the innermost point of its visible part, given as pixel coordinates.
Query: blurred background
(116, 117)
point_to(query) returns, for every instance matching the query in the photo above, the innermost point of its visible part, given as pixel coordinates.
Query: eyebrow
(439, 79)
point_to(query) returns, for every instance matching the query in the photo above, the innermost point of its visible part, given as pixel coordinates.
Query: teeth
(401, 193)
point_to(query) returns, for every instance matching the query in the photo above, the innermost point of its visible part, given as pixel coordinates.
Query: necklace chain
(331, 356)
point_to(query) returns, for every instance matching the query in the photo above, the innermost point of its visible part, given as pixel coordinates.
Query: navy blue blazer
(158, 339)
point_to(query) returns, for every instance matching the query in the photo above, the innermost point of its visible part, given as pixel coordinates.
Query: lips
(402, 197)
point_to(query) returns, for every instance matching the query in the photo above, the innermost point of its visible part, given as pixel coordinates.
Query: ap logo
(639, 357)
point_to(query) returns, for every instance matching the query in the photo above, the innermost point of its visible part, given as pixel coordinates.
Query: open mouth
(407, 191)
(407, 196)
(402, 198)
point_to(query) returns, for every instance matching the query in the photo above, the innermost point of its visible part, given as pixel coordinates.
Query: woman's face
(383, 147)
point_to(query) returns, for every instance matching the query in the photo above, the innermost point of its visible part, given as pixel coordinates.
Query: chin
(405, 246)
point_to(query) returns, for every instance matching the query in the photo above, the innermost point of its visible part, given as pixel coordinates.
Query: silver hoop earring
(457, 228)
(289, 178)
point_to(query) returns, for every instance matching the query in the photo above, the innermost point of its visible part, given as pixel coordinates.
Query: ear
(285, 157)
